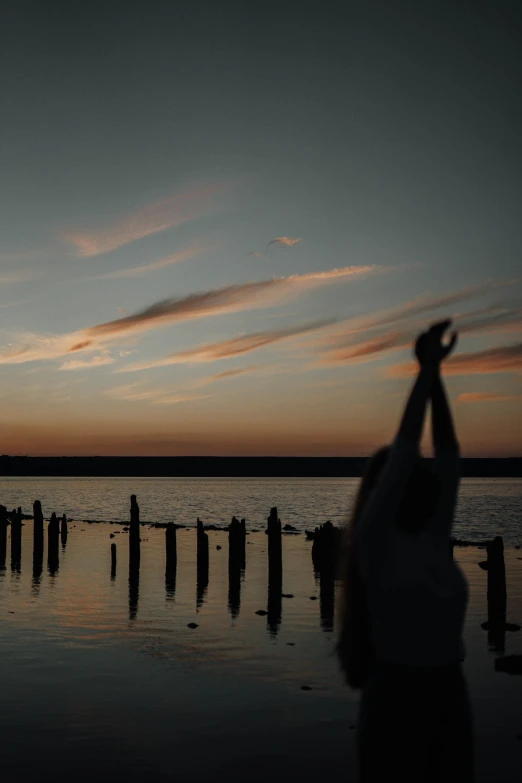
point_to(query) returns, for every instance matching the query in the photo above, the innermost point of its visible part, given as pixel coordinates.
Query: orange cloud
(487, 397)
(230, 299)
(286, 241)
(504, 359)
(366, 351)
(156, 217)
(227, 349)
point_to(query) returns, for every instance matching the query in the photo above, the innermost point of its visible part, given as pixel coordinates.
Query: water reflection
(38, 547)
(134, 587)
(202, 564)
(170, 582)
(16, 540)
(53, 551)
(3, 537)
(64, 532)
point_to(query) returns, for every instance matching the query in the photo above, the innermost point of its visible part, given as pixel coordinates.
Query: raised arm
(447, 458)
(382, 505)
(387, 495)
(443, 431)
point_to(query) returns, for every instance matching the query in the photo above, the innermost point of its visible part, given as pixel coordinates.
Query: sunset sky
(223, 224)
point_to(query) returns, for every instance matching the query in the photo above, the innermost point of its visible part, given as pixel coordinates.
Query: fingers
(440, 327)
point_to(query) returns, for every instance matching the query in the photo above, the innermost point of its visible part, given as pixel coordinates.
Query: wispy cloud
(85, 364)
(503, 359)
(194, 249)
(227, 349)
(11, 278)
(174, 399)
(134, 392)
(362, 338)
(285, 241)
(156, 217)
(224, 374)
(220, 301)
(369, 349)
(230, 299)
(487, 397)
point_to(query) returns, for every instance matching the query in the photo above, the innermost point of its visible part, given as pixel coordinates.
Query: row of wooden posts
(325, 557)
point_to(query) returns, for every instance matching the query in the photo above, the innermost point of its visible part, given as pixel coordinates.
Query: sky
(223, 224)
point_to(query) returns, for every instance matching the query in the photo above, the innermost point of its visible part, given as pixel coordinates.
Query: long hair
(354, 648)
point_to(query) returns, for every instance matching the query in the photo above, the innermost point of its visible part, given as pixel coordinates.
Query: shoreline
(228, 467)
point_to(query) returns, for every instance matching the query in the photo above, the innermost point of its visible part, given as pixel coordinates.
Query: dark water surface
(102, 679)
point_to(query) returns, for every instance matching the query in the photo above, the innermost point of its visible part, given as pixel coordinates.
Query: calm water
(486, 507)
(102, 679)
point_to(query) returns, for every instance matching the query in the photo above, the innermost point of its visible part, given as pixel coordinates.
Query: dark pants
(415, 725)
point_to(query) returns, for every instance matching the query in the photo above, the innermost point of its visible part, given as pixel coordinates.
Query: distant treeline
(262, 467)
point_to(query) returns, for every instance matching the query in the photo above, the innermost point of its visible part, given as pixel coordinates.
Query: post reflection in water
(170, 582)
(327, 599)
(53, 552)
(16, 540)
(64, 532)
(3, 537)
(38, 548)
(134, 587)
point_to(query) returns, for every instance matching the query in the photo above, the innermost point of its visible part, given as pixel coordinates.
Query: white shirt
(416, 594)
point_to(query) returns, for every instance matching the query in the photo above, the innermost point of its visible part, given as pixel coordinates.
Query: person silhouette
(404, 599)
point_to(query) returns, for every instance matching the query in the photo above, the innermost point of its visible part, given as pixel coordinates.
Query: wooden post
(171, 565)
(497, 594)
(3, 537)
(134, 558)
(53, 534)
(16, 539)
(275, 571)
(236, 556)
(202, 563)
(134, 532)
(113, 562)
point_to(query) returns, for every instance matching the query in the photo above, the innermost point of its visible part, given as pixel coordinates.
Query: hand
(429, 348)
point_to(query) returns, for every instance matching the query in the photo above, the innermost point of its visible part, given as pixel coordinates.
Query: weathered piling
(496, 625)
(275, 572)
(275, 543)
(171, 564)
(53, 536)
(236, 561)
(113, 562)
(38, 519)
(3, 537)
(134, 558)
(171, 546)
(325, 558)
(38, 543)
(325, 547)
(64, 531)
(16, 539)
(202, 563)
(134, 531)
